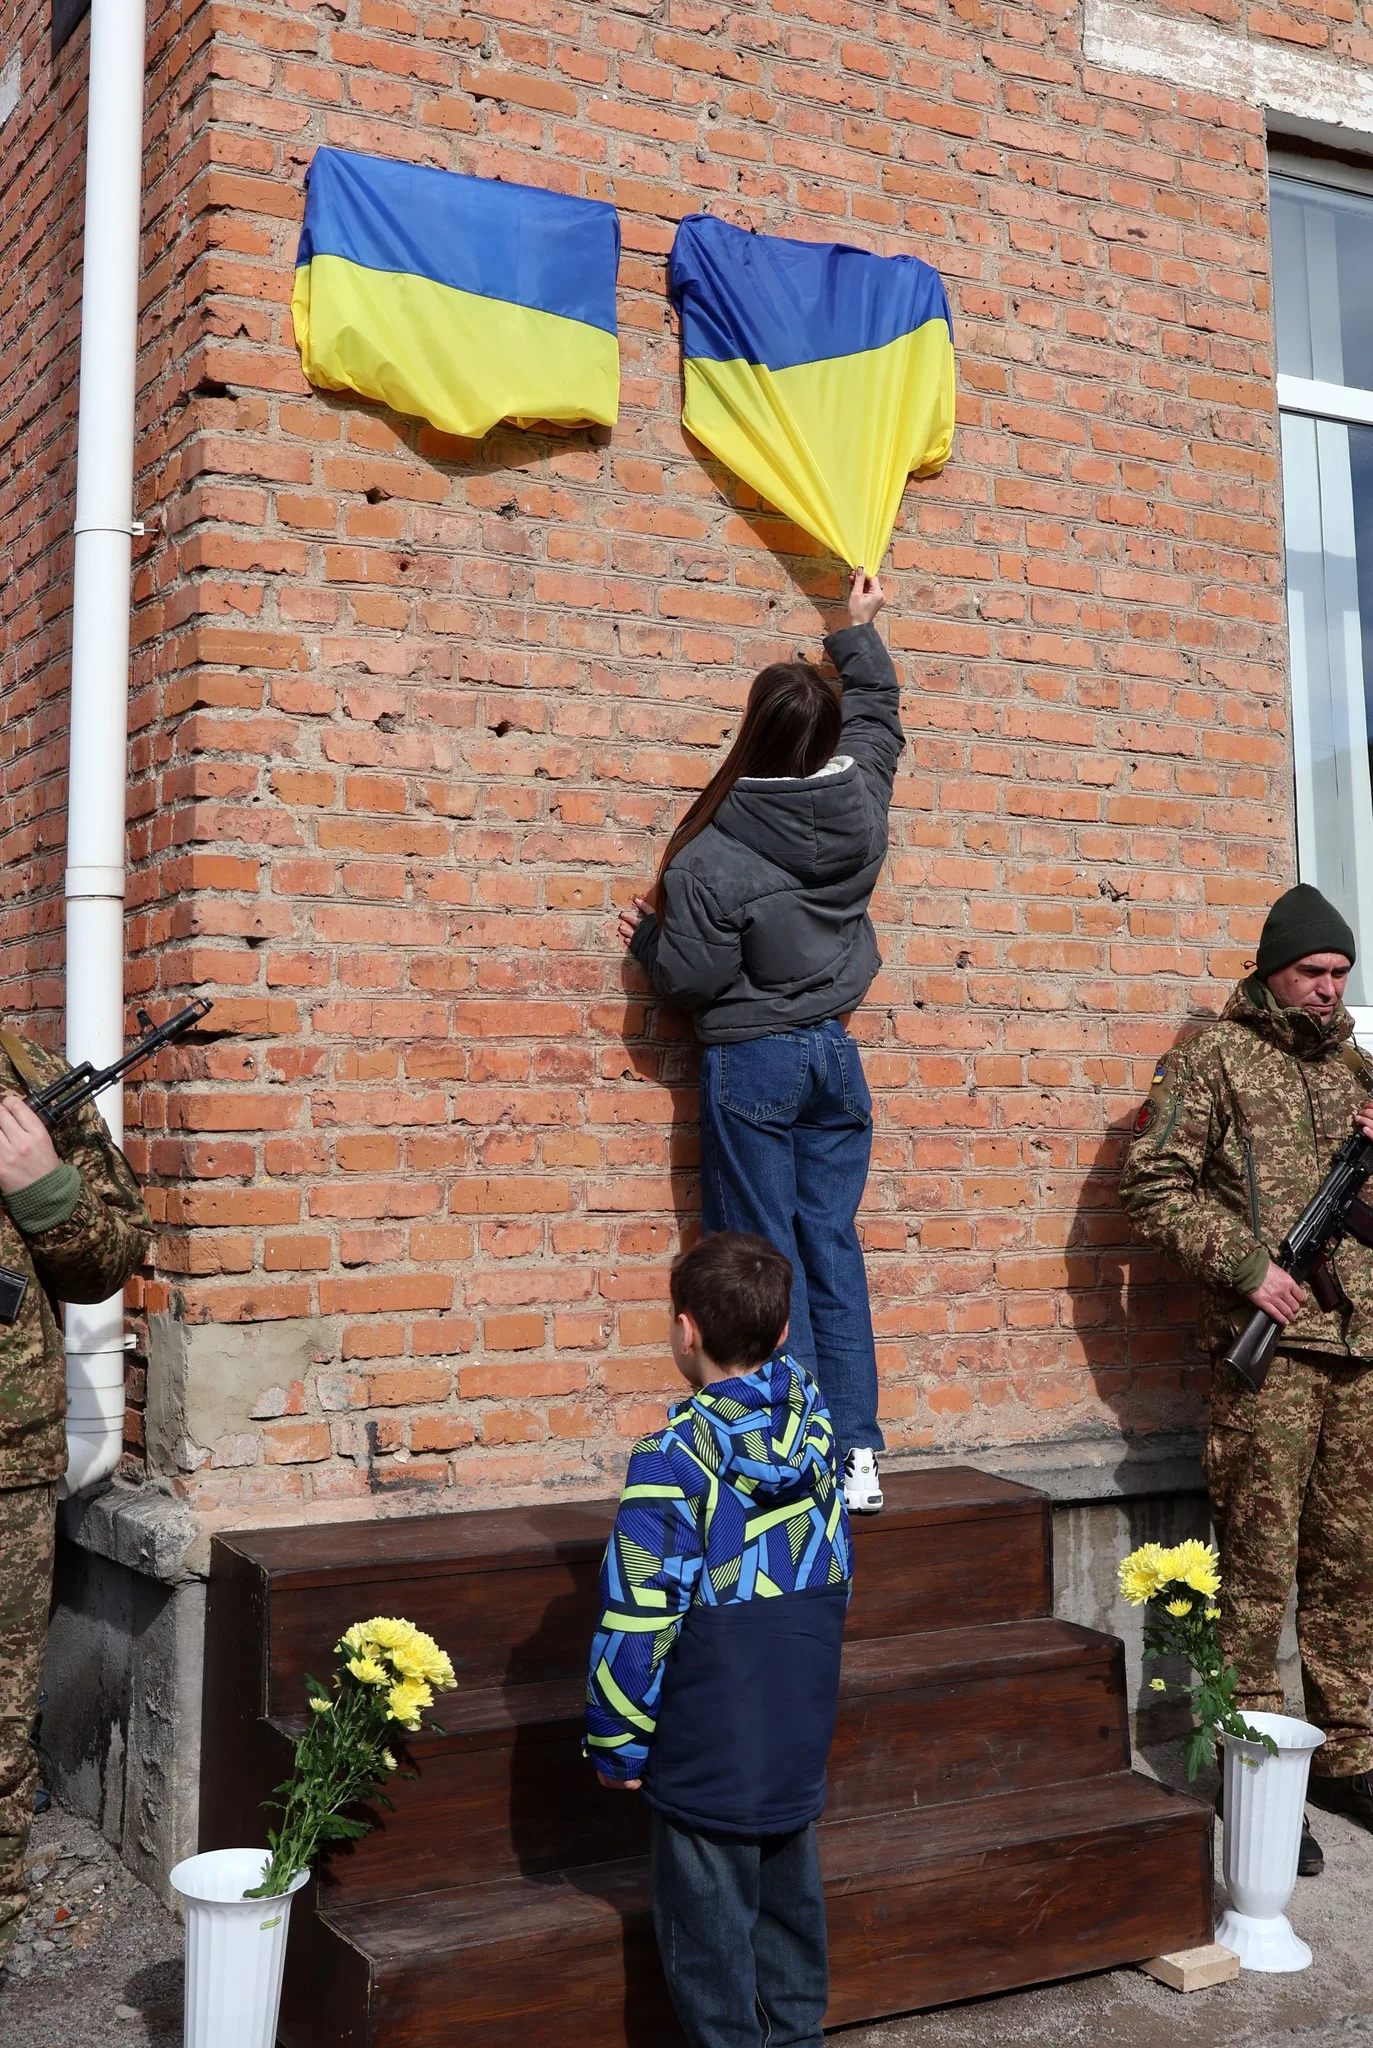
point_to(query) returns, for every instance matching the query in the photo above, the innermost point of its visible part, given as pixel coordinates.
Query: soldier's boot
(1352, 1796)
(1310, 1855)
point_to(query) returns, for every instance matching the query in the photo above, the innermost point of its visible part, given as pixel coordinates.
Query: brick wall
(412, 717)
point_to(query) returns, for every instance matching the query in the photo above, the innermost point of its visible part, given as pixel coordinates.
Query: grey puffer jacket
(766, 924)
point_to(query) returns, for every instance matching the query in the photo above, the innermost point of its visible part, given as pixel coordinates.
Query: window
(1323, 299)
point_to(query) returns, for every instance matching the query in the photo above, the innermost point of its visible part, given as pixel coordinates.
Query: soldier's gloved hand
(26, 1150)
(1278, 1294)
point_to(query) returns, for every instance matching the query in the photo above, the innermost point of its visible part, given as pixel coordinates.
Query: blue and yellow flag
(458, 299)
(821, 375)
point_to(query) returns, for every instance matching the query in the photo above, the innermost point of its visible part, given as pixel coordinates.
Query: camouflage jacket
(83, 1256)
(1234, 1140)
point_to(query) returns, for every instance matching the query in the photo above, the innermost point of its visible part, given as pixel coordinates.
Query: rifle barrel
(80, 1084)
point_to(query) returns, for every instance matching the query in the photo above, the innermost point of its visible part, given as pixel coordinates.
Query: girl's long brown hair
(790, 726)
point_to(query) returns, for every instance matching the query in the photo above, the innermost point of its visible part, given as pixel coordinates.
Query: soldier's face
(1314, 983)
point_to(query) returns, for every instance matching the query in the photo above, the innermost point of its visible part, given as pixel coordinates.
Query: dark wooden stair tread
(499, 1539)
(876, 1853)
(512, 1593)
(991, 1650)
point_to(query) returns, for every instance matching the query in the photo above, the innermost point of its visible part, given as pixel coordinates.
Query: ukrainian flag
(458, 299)
(821, 375)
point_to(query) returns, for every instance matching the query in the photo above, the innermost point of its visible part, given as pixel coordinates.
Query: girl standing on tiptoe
(758, 925)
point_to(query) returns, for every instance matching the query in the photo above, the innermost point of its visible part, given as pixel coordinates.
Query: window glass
(1327, 470)
(1323, 282)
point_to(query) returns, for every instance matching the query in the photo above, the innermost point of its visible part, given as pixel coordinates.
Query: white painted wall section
(1193, 54)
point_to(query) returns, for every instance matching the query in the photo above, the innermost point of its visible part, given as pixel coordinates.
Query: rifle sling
(1356, 1063)
(17, 1053)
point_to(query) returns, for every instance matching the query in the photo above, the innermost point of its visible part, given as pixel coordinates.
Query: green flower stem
(1195, 1641)
(340, 1761)
(389, 1674)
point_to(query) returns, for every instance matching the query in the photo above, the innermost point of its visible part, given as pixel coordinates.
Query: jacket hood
(817, 828)
(1298, 1032)
(762, 1421)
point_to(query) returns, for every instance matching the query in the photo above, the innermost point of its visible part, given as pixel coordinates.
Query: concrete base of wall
(121, 1727)
(120, 1732)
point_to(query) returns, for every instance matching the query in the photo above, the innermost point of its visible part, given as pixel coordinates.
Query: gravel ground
(98, 1963)
(98, 1957)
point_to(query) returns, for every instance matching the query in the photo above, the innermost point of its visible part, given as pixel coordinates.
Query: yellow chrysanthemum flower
(1212, 1613)
(1179, 1607)
(422, 1660)
(367, 1671)
(390, 1632)
(319, 1706)
(1196, 1565)
(407, 1701)
(440, 1673)
(1158, 1685)
(390, 1651)
(1144, 1573)
(388, 1760)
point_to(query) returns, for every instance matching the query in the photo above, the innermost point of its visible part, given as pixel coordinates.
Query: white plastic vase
(235, 1949)
(1265, 1797)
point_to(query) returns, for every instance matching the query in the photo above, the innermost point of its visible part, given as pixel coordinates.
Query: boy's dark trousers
(741, 1931)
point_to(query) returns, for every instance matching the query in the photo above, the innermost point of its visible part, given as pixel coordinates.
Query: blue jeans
(741, 1931)
(786, 1135)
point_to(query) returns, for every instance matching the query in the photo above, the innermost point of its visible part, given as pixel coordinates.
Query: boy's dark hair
(737, 1289)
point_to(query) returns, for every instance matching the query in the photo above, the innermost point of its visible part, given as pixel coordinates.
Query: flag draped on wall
(458, 299)
(820, 374)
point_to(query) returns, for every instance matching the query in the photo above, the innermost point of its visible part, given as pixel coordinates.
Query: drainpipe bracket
(100, 883)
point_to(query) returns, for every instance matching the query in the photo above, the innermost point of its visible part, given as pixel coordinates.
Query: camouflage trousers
(28, 1523)
(1291, 1476)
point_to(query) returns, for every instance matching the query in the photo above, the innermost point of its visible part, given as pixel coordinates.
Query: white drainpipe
(100, 667)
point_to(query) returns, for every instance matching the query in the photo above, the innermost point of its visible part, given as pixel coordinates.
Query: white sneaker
(862, 1487)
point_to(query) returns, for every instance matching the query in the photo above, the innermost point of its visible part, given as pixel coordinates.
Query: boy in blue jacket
(715, 1666)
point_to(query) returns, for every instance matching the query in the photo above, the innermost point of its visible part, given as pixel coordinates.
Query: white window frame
(1312, 398)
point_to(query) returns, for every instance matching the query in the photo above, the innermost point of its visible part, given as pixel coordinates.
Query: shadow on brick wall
(1133, 1309)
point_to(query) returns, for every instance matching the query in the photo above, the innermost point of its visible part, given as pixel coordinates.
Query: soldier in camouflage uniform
(72, 1224)
(1234, 1140)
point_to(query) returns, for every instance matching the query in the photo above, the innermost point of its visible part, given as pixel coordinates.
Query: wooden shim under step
(1194, 1969)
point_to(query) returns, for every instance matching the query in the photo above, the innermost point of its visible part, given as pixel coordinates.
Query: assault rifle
(1334, 1213)
(79, 1084)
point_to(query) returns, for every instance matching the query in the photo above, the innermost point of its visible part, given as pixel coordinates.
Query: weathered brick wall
(41, 173)
(415, 715)
(42, 187)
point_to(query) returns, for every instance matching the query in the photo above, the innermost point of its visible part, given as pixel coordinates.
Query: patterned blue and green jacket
(715, 1666)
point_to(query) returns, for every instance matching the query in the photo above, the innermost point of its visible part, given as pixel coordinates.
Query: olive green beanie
(1301, 922)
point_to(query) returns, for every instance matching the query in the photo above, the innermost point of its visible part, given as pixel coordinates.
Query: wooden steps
(494, 1795)
(974, 1899)
(983, 1827)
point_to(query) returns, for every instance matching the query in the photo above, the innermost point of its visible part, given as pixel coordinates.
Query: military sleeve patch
(1162, 1096)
